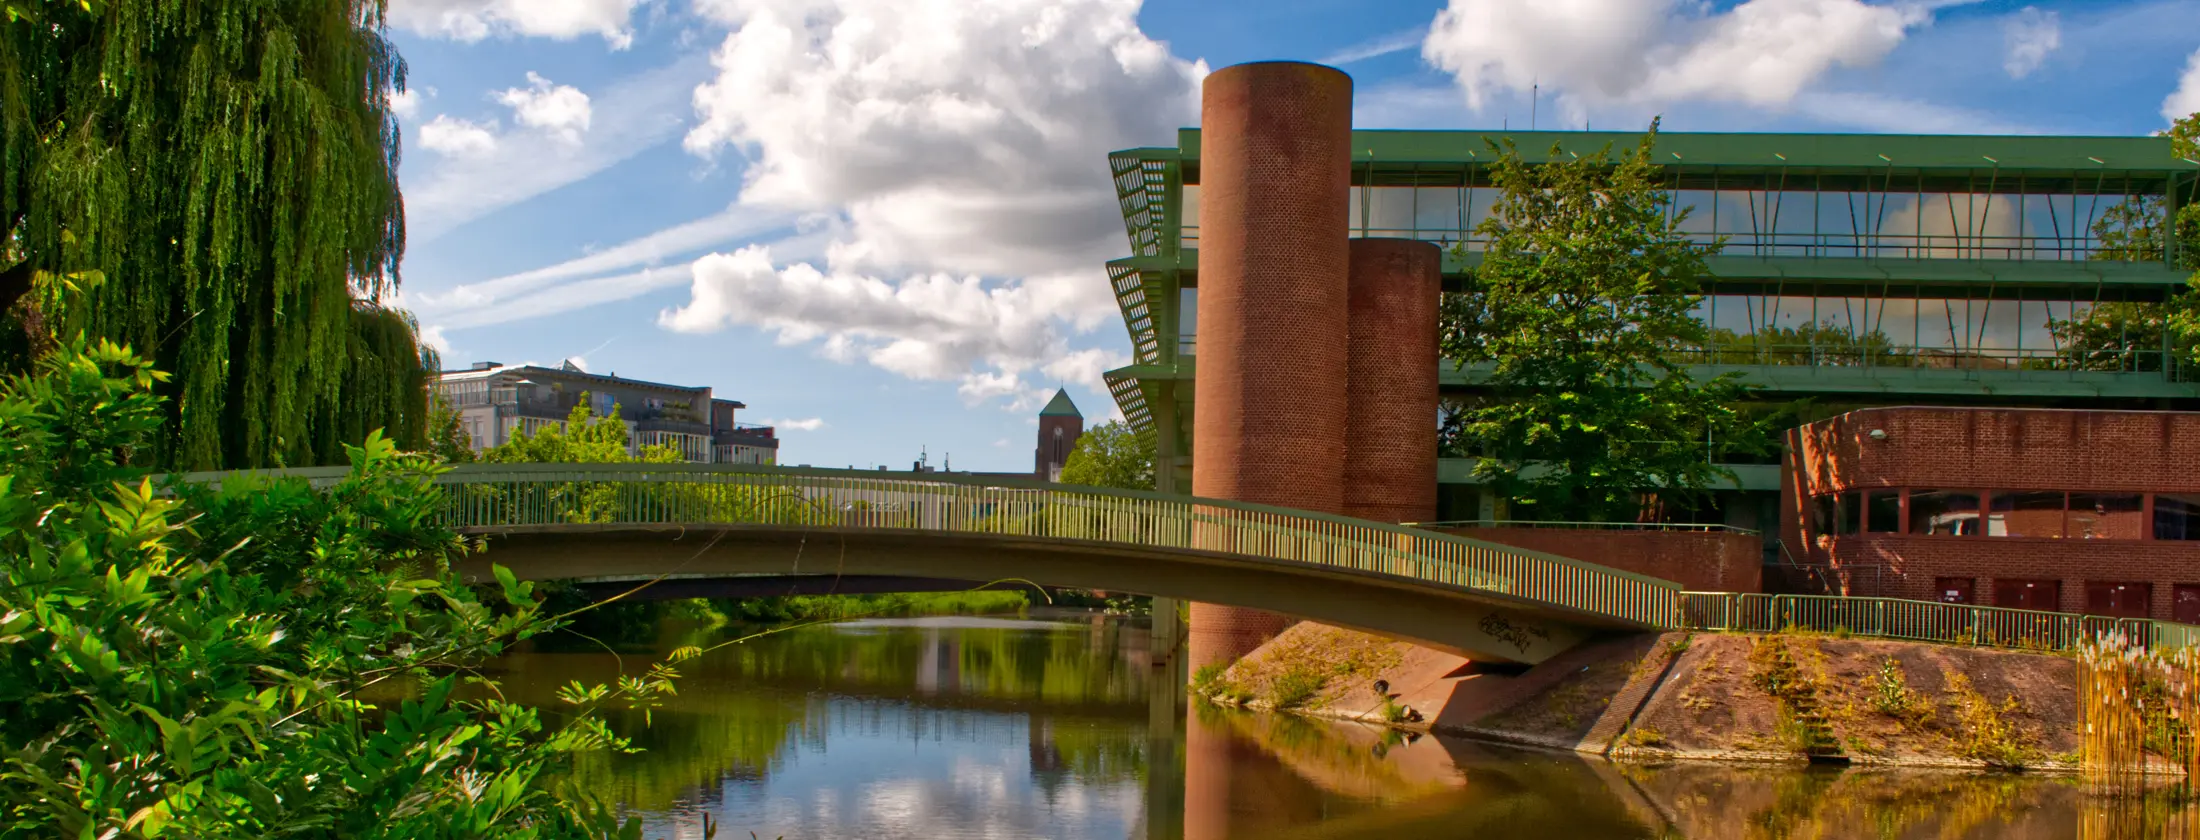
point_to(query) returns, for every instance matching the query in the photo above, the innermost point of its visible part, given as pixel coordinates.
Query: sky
(883, 224)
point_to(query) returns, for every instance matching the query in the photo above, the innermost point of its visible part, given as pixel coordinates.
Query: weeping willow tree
(231, 168)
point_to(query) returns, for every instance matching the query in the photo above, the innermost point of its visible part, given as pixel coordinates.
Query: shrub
(1891, 694)
(1295, 688)
(188, 664)
(1984, 731)
(1207, 678)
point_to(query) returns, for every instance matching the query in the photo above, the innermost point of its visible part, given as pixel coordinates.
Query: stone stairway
(1800, 699)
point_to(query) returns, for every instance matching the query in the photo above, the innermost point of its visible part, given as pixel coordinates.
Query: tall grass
(2134, 704)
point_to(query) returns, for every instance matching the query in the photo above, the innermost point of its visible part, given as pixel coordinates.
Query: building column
(1390, 380)
(1275, 187)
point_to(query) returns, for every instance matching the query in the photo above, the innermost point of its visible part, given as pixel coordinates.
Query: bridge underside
(771, 585)
(1478, 624)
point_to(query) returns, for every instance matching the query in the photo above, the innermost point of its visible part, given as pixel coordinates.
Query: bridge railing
(1927, 621)
(488, 497)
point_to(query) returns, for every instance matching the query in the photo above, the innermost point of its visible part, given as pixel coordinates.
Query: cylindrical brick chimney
(1390, 380)
(1269, 413)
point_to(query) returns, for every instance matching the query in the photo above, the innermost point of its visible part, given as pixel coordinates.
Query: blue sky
(882, 223)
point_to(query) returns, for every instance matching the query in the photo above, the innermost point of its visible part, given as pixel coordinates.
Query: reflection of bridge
(596, 521)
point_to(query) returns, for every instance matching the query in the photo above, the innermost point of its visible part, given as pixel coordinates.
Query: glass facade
(2034, 216)
(2046, 514)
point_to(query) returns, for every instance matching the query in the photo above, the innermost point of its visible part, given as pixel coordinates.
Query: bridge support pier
(1275, 192)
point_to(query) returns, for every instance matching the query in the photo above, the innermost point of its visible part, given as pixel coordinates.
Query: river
(958, 727)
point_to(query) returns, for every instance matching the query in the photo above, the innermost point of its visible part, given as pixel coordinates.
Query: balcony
(1807, 369)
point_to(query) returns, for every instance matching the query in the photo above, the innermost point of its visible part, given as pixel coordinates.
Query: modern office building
(1284, 329)
(498, 402)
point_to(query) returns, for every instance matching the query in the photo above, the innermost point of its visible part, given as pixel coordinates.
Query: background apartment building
(498, 402)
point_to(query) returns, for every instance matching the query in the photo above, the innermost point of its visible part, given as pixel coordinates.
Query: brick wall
(1906, 566)
(1998, 450)
(1703, 561)
(2027, 449)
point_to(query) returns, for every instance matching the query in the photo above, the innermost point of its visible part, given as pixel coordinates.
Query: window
(2106, 516)
(2025, 513)
(1823, 511)
(1949, 512)
(2176, 516)
(1883, 512)
(1849, 513)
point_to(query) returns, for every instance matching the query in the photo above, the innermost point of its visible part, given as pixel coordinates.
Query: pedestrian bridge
(586, 522)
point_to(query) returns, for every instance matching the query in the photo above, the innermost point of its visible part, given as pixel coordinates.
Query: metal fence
(1925, 621)
(1664, 527)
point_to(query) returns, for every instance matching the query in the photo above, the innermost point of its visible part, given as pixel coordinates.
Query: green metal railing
(486, 498)
(1925, 621)
(491, 498)
(1665, 527)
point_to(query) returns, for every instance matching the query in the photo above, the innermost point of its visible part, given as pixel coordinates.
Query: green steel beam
(1790, 152)
(1861, 271)
(1133, 384)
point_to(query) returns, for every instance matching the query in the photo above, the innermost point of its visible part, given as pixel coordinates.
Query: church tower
(1060, 424)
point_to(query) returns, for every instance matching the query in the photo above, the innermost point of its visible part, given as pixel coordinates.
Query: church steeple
(1060, 424)
(1061, 406)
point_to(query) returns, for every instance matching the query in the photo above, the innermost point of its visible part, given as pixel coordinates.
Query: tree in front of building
(1111, 455)
(1583, 300)
(2132, 335)
(231, 169)
(583, 438)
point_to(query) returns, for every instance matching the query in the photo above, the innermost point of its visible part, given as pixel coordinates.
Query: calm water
(974, 727)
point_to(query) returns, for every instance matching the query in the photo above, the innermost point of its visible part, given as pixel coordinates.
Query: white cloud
(2032, 34)
(561, 110)
(1002, 443)
(989, 385)
(964, 136)
(459, 138)
(405, 104)
(652, 249)
(629, 116)
(961, 145)
(1084, 367)
(807, 424)
(432, 336)
(1385, 45)
(931, 326)
(2185, 100)
(1601, 52)
(1891, 115)
(474, 20)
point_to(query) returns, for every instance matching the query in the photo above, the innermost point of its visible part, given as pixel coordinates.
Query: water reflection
(956, 728)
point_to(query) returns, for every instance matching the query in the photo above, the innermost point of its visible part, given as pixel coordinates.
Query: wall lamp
(1879, 434)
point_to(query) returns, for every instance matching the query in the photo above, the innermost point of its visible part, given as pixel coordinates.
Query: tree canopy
(231, 168)
(1583, 297)
(1111, 455)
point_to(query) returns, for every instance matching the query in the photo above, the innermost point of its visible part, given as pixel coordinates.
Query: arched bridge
(624, 521)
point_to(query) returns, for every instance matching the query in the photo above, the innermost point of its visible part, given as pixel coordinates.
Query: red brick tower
(1390, 380)
(1275, 185)
(1060, 425)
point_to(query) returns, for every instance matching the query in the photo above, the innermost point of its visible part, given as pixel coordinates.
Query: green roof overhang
(1788, 152)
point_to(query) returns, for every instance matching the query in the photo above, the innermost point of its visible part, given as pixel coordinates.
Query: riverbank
(1691, 697)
